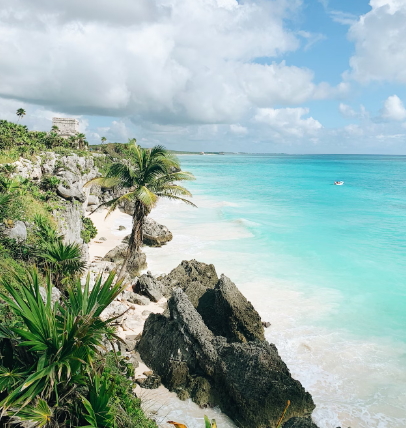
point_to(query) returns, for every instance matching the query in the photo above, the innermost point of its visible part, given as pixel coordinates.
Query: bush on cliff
(52, 371)
(89, 230)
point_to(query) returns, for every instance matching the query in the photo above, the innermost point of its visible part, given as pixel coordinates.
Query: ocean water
(324, 264)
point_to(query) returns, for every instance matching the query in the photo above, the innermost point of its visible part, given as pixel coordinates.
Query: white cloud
(349, 113)
(162, 61)
(393, 109)
(288, 121)
(380, 43)
(238, 129)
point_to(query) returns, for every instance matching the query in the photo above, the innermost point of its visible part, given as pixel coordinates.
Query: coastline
(329, 363)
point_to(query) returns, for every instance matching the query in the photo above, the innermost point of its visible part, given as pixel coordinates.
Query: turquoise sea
(325, 264)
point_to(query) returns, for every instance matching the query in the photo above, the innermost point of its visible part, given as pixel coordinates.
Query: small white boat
(339, 183)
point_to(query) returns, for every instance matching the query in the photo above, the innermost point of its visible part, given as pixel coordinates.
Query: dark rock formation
(135, 298)
(155, 234)
(193, 277)
(229, 314)
(152, 381)
(148, 286)
(249, 381)
(299, 423)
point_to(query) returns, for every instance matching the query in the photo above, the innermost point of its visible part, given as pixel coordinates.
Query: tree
(103, 139)
(81, 139)
(20, 113)
(149, 175)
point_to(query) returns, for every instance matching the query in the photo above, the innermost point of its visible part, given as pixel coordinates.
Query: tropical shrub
(89, 230)
(47, 372)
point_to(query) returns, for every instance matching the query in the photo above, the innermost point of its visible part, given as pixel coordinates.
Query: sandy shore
(159, 404)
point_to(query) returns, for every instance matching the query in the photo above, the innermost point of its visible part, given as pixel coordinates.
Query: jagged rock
(148, 286)
(135, 298)
(71, 193)
(193, 277)
(69, 220)
(249, 381)
(117, 254)
(299, 423)
(115, 309)
(136, 263)
(150, 382)
(155, 234)
(93, 200)
(17, 232)
(229, 314)
(266, 324)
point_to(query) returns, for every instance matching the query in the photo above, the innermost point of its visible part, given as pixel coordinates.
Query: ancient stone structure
(66, 126)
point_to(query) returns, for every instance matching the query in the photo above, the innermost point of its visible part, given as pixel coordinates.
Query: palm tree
(151, 174)
(20, 113)
(103, 139)
(81, 138)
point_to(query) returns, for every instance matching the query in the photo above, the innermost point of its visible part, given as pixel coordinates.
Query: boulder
(71, 193)
(228, 313)
(135, 298)
(17, 232)
(136, 263)
(115, 309)
(248, 381)
(193, 277)
(93, 200)
(148, 286)
(152, 381)
(155, 234)
(117, 254)
(299, 423)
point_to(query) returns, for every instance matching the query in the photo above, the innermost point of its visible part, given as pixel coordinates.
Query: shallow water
(324, 264)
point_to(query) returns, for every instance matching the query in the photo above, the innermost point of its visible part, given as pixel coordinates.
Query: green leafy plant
(51, 357)
(150, 175)
(89, 230)
(65, 261)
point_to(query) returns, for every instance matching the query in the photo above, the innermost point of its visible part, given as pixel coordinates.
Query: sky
(265, 76)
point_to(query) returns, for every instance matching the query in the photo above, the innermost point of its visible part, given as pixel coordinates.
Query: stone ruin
(66, 126)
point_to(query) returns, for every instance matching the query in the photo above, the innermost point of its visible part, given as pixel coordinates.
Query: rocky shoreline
(196, 333)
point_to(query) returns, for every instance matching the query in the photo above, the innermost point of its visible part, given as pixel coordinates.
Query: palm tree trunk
(136, 237)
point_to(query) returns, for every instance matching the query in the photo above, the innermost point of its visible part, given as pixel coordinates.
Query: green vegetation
(54, 368)
(52, 371)
(150, 175)
(89, 230)
(16, 140)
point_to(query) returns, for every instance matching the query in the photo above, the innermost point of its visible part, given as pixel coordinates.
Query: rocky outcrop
(249, 381)
(155, 234)
(193, 277)
(229, 314)
(117, 254)
(71, 193)
(18, 231)
(148, 286)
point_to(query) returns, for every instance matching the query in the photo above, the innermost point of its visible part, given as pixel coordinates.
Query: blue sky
(294, 76)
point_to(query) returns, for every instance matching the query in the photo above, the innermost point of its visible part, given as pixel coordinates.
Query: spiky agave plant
(65, 261)
(50, 356)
